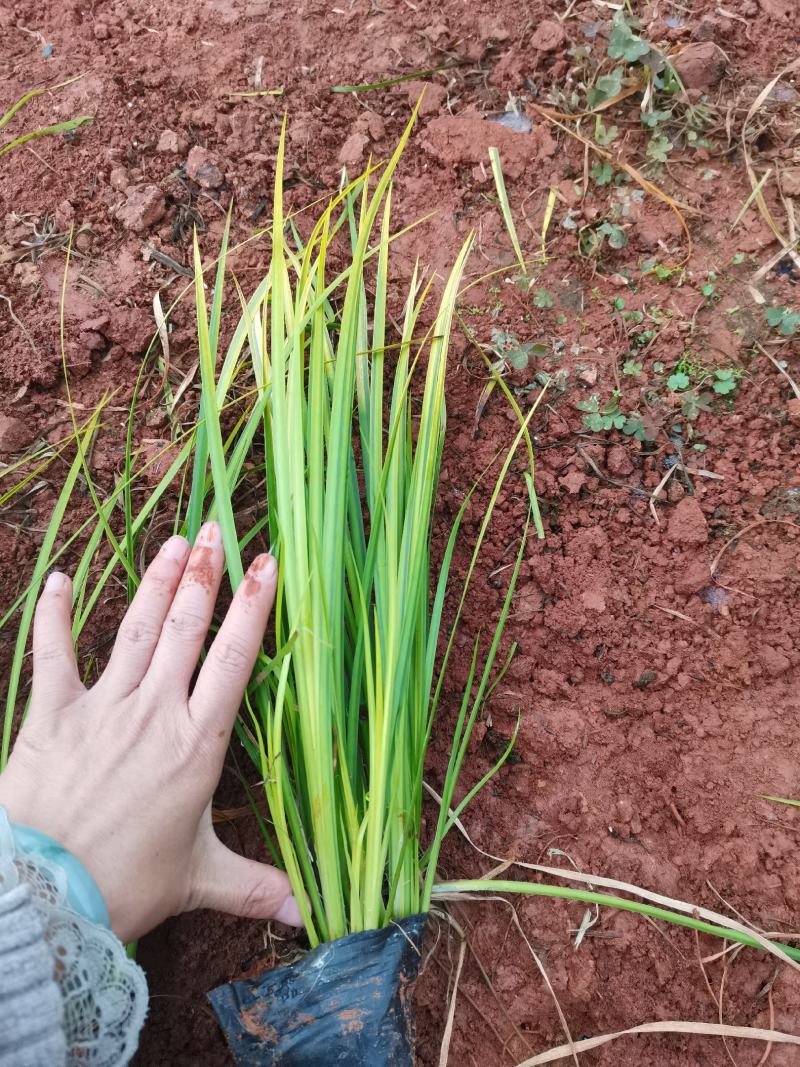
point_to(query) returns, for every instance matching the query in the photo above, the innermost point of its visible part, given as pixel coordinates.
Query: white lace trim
(104, 992)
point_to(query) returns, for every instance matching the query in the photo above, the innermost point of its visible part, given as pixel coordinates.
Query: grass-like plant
(327, 419)
(30, 135)
(340, 716)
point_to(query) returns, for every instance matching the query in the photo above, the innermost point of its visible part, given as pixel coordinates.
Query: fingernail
(210, 534)
(263, 567)
(175, 548)
(56, 580)
(289, 913)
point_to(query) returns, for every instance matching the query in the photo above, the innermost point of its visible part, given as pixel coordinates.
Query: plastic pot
(345, 1002)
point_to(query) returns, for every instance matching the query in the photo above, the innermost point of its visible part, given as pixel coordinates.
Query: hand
(122, 774)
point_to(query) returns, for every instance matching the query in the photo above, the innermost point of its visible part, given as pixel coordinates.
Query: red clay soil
(656, 700)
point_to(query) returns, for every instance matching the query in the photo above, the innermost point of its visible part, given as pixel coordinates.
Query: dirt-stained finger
(225, 673)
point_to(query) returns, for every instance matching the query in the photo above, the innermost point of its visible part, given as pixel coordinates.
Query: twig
(672, 1026)
(759, 196)
(520, 1036)
(744, 530)
(730, 907)
(19, 323)
(687, 618)
(700, 472)
(41, 159)
(700, 961)
(168, 261)
(654, 495)
(475, 1006)
(612, 481)
(677, 815)
(783, 371)
(725, 964)
(762, 271)
(444, 1051)
(768, 1049)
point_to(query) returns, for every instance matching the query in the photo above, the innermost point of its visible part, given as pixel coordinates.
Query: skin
(122, 774)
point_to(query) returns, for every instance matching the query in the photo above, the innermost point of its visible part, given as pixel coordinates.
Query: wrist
(83, 893)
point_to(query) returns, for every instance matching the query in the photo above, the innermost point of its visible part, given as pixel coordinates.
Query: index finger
(229, 663)
(55, 669)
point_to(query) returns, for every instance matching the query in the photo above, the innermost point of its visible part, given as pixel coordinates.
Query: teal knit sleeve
(69, 994)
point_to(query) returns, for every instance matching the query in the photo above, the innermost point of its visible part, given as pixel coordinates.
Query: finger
(189, 616)
(226, 881)
(227, 668)
(141, 628)
(55, 669)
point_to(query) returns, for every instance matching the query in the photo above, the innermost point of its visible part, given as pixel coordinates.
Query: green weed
(518, 354)
(609, 416)
(602, 173)
(786, 322)
(593, 238)
(624, 43)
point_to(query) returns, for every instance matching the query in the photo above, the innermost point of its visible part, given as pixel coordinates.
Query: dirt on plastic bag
(347, 1001)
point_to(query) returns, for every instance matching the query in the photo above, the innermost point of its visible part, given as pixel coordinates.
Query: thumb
(225, 881)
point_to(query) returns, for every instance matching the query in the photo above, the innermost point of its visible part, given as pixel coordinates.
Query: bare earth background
(655, 704)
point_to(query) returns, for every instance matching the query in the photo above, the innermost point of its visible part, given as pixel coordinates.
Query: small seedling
(593, 237)
(602, 173)
(610, 417)
(607, 417)
(661, 270)
(543, 299)
(67, 128)
(651, 119)
(709, 290)
(640, 427)
(605, 88)
(692, 403)
(624, 43)
(568, 222)
(786, 322)
(666, 102)
(687, 379)
(617, 238)
(518, 354)
(726, 380)
(678, 381)
(631, 368)
(658, 148)
(604, 134)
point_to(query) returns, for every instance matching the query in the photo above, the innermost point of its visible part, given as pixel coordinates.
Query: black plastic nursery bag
(347, 1002)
